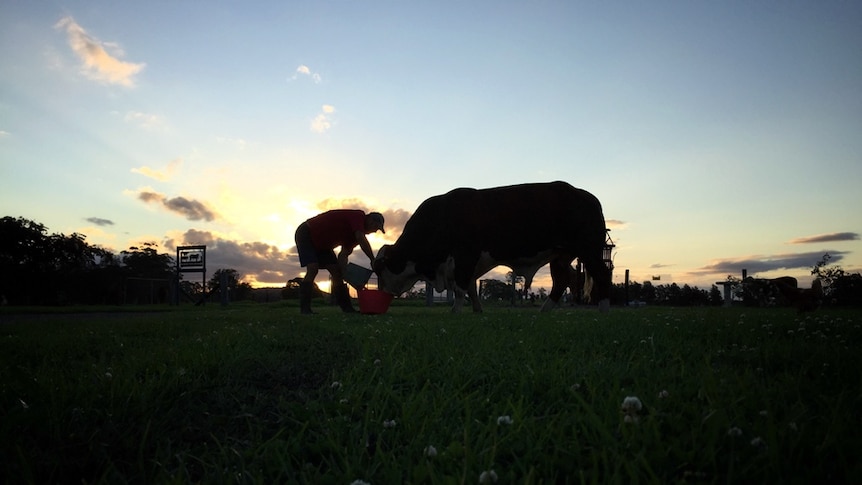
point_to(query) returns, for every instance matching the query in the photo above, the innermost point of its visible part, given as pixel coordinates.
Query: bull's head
(394, 274)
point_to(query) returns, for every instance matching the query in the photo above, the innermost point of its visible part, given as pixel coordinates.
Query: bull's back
(547, 213)
(526, 216)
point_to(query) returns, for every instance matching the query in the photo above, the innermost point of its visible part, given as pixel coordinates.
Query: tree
(648, 292)
(42, 269)
(291, 289)
(715, 296)
(238, 289)
(634, 291)
(495, 290)
(23, 245)
(827, 274)
(149, 275)
(839, 287)
(22, 242)
(146, 262)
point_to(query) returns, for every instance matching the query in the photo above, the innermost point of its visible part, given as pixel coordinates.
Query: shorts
(308, 254)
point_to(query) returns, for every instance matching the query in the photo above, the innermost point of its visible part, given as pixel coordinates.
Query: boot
(342, 296)
(305, 291)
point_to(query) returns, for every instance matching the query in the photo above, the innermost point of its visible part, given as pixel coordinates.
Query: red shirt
(336, 228)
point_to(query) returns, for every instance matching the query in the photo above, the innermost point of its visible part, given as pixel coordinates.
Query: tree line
(840, 288)
(38, 268)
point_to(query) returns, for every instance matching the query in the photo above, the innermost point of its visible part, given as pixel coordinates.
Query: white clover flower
(376, 361)
(359, 482)
(632, 403)
(335, 385)
(734, 432)
(389, 423)
(488, 476)
(631, 407)
(663, 394)
(758, 442)
(505, 420)
(430, 451)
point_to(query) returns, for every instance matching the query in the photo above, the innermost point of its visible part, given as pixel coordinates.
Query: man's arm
(365, 246)
(342, 257)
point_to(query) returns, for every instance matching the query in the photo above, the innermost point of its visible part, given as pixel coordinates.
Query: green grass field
(260, 394)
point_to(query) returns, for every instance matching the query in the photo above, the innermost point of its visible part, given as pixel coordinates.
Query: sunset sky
(718, 135)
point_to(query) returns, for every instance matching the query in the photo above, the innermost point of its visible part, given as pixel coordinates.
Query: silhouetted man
(316, 240)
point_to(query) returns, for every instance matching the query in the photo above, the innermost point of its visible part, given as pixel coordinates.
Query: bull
(454, 238)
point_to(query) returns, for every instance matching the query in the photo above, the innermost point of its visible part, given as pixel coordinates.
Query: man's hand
(365, 246)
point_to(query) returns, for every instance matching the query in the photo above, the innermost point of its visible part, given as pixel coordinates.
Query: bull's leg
(601, 288)
(459, 300)
(560, 278)
(465, 282)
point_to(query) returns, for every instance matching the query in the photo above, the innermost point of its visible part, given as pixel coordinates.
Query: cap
(378, 219)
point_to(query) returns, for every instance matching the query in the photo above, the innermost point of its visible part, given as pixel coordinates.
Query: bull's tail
(597, 283)
(588, 287)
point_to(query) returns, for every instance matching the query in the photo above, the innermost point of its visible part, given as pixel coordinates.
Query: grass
(260, 394)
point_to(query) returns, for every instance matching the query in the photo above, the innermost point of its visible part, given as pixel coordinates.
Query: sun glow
(325, 285)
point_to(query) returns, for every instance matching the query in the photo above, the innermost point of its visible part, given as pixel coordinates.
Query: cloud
(192, 210)
(256, 262)
(306, 71)
(831, 237)
(615, 224)
(262, 264)
(99, 221)
(322, 122)
(761, 264)
(659, 266)
(144, 120)
(351, 203)
(4, 134)
(161, 175)
(395, 218)
(98, 63)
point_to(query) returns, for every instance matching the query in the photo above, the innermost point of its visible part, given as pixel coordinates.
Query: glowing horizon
(713, 144)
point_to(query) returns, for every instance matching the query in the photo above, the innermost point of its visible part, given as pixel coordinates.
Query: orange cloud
(161, 175)
(98, 63)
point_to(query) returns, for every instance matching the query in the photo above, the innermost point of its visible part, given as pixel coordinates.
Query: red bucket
(374, 301)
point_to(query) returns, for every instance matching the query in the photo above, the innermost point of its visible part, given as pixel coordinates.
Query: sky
(719, 136)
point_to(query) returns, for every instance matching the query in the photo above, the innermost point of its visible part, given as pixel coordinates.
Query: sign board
(191, 258)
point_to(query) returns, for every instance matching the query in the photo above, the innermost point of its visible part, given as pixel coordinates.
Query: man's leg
(306, 289)
(339, 289)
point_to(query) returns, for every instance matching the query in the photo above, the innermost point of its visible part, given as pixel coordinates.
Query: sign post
(191, 259)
